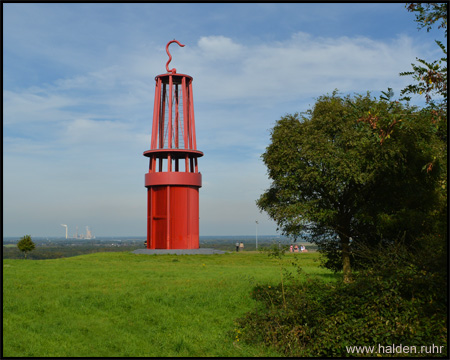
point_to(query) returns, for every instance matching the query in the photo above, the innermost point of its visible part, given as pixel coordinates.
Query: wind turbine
(66, 229)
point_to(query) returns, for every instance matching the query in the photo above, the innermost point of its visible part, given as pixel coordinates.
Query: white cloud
(219, 47)
(34, 105)
(299, 66)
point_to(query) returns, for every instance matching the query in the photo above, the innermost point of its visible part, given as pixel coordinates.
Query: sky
(78, 91)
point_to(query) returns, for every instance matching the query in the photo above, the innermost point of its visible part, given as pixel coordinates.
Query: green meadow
(123, 304)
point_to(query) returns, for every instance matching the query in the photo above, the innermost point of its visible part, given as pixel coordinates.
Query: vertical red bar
(191, 110)
(156, 109)
(161, 118)
(153, 163)
(188, 217)
(196, 218)
(176, 117)
(150, 241)
(169, 134)
(189, 119)
(184, 90)
(185, 112)
(168, 218)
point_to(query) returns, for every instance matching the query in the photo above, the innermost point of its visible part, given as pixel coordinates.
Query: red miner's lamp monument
(173, 180)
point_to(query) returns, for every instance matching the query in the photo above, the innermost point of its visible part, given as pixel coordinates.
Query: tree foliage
(368, 180)
(393, 301)
(428, 14)
(430, 77)
(430, 80)
(351, 171)
(26, 245)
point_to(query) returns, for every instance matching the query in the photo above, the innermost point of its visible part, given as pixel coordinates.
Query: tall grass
(123, 304)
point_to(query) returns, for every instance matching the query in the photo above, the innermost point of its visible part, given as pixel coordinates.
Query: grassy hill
(122, 304)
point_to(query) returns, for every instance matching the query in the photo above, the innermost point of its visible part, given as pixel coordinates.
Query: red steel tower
(173, 180)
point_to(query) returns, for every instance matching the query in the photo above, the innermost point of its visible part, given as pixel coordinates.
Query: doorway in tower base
(173, 221)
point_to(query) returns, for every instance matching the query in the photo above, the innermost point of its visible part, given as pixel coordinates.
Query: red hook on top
(173, 71)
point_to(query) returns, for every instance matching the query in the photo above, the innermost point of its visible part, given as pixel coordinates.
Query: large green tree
(26, 245)
(350, 171)
(430, 81)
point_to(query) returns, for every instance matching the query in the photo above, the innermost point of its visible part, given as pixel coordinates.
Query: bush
(391, 305)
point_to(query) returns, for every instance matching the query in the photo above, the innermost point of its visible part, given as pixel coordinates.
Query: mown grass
(123, 304)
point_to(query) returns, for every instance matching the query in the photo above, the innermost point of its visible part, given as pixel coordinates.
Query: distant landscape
(59, 247)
